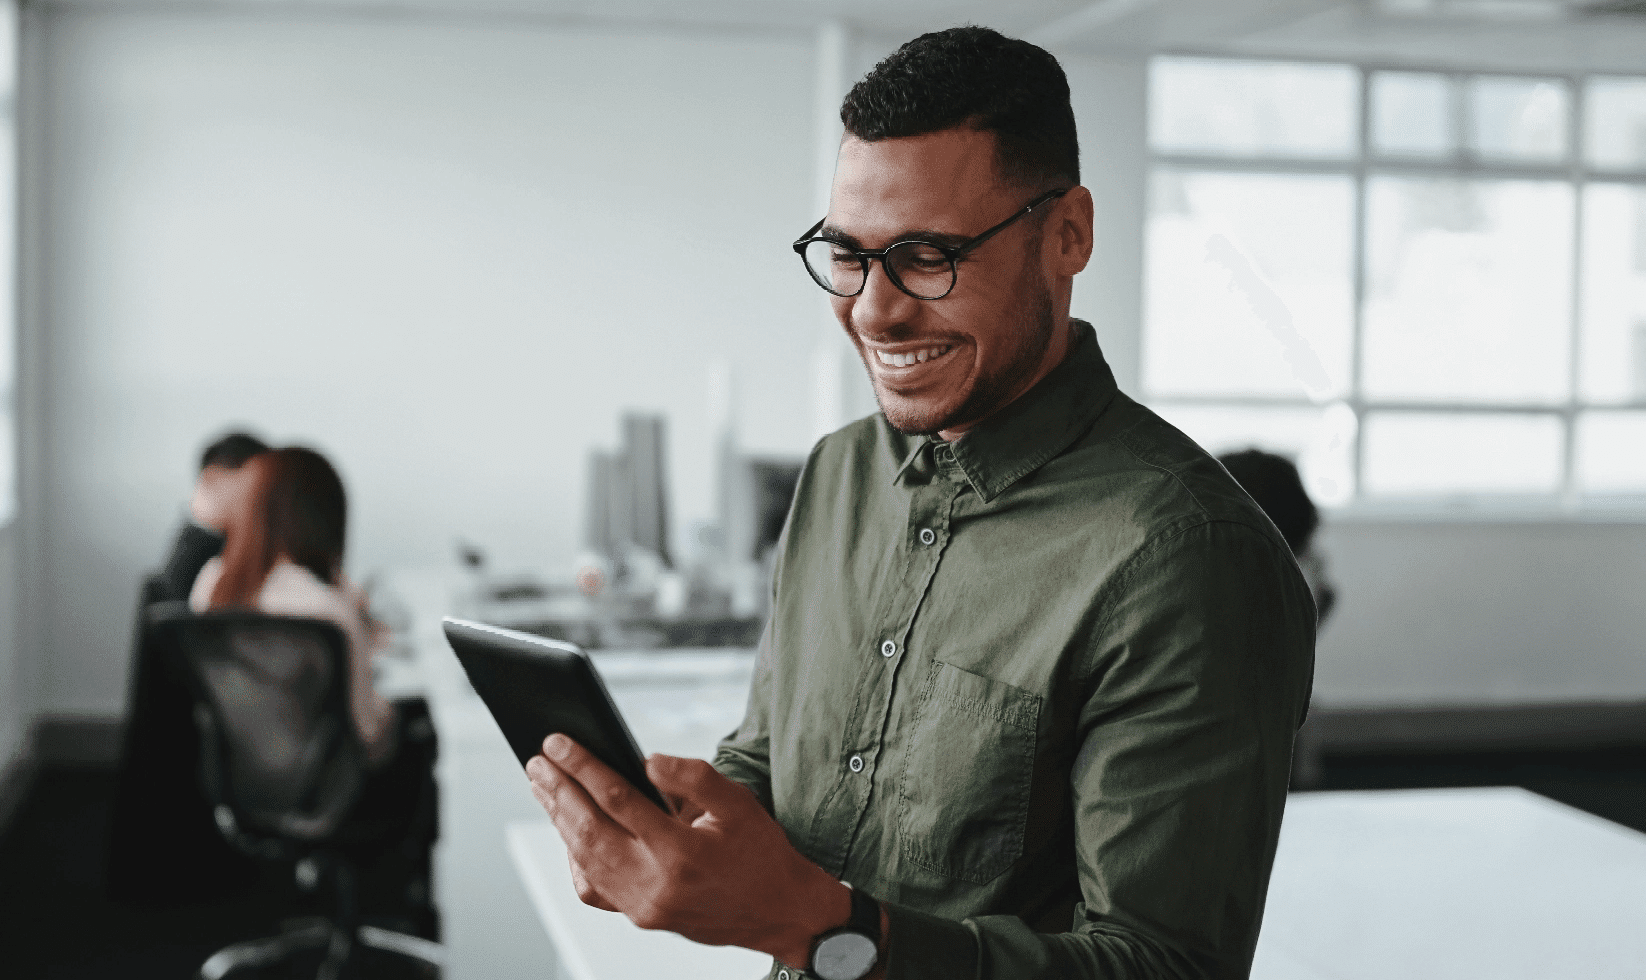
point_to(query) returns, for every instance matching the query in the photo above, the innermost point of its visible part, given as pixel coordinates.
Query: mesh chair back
(279, 747)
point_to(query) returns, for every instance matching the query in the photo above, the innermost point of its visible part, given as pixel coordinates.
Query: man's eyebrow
(921, 234)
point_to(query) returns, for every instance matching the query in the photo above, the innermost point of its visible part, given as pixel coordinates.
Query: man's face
(994, 335)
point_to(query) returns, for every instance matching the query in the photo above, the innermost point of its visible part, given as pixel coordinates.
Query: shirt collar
(1041, 423)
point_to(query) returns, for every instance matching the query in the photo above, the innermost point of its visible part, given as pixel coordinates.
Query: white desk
(1452, 883)
(596, 945)
(1386, 885)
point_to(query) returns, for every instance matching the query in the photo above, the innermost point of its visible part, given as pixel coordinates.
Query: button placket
(929, 506)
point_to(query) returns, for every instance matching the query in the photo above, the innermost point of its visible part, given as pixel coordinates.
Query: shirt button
(927, 535)
(856, 763)
(888, 648)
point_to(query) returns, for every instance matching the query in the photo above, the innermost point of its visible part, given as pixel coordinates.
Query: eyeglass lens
(917, 268)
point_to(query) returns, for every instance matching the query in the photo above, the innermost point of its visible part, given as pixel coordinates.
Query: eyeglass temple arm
(997, 229)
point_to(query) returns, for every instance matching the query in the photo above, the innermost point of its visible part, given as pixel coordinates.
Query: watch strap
(863, 922)
(865, 915)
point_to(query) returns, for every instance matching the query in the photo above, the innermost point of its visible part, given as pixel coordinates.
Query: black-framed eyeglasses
(924, 270)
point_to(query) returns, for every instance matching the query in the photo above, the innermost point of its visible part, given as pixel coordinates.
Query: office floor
(56, 923)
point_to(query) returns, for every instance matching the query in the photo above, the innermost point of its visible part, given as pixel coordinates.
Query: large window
(1425, 286)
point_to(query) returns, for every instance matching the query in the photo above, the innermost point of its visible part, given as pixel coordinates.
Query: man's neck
(1056, 353)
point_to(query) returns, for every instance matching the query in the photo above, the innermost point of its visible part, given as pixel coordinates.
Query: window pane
(1248, 288)
(1614, 293)
(1428, 453)
(1518, 119)
(1319, 439)
(1611, 452)
(1412, 115)
(1615, 123)
(1252, 108)
(1468, 290)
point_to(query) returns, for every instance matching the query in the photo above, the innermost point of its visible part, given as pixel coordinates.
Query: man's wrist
(830, 907)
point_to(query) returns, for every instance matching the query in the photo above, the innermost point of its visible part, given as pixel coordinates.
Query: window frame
(1361, 166)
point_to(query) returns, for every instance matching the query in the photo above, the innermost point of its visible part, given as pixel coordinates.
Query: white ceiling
(1553, 35)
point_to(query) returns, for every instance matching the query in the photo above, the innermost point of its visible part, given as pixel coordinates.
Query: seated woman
(283, 554)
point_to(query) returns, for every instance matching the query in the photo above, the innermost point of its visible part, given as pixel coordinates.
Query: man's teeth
(904, 360)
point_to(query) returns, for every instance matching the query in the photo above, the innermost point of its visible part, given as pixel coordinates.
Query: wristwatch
(850, 952)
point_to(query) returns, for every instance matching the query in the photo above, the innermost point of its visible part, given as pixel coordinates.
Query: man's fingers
(699, 786)
(579, 818)
(606, 789)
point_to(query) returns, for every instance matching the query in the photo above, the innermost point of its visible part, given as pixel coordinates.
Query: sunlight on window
(1611, 452)
(1614, 293)
(1517, 119)
(1615, 124)
(1468, 290)
(1235, 108)
(1412, 115)
(1248, 288)
(1460, 374)
(1458, 454)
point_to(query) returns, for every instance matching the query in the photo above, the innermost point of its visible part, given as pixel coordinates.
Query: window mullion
(1570, 497)
(1357, 397)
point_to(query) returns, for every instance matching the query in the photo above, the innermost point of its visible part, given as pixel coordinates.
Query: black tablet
(535, 687)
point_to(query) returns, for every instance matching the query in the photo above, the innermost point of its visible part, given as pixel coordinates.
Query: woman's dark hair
(978, 77)
(1274, 483)
(294, 508)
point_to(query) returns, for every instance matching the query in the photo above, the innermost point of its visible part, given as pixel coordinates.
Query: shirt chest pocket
(964, 793)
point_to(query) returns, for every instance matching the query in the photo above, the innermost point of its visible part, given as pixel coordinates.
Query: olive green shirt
(1034, 689)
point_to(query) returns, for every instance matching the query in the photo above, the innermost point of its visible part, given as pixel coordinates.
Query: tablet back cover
(536, 686)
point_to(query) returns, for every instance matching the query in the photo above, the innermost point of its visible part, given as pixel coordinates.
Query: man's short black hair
(978, 77)
(232, 450)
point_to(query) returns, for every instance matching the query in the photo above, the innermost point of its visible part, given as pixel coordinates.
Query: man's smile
(910, 365)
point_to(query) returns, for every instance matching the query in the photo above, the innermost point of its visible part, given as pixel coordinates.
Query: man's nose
(881, 307)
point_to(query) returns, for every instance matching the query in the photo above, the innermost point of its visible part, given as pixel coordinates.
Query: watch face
(844, 956)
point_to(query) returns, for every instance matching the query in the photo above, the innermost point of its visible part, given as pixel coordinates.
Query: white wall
(447, 252)
(1485, 611)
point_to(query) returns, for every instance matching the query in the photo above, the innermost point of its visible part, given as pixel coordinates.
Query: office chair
(163, 846)
(283, 766)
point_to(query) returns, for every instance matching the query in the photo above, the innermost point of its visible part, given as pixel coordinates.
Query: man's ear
(1072, 232)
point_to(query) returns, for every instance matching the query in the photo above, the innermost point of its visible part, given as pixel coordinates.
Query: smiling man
(1034, 663)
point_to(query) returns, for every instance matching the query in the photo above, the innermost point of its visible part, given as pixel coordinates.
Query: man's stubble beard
(1032, 334)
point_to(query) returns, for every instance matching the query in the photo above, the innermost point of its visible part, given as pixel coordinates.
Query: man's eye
(840, 256)
(923, 257)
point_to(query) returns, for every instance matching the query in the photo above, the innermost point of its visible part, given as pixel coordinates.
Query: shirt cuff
(922, 946)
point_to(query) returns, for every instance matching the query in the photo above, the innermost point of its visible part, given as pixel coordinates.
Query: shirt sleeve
(1197, 675)
(745, 755)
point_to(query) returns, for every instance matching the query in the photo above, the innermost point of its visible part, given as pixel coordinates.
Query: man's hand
(720, 871)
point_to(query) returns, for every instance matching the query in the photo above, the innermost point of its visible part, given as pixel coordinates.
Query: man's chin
(912, 418)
